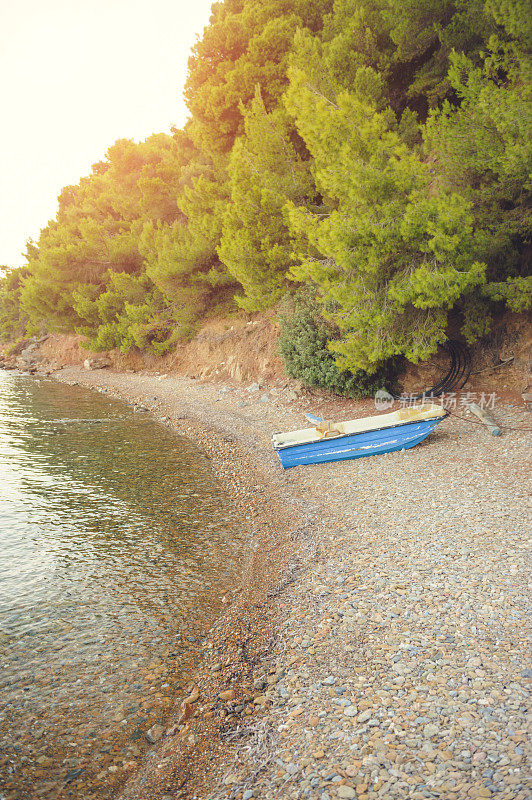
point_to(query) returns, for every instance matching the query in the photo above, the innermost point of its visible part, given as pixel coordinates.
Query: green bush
(12, 319)
(303, 345)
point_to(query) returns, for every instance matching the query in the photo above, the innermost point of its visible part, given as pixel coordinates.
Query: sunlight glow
(76, 76)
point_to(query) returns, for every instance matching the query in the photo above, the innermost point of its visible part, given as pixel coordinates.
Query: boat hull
(358, 445)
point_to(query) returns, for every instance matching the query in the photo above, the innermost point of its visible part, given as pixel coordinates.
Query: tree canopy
(376, 153)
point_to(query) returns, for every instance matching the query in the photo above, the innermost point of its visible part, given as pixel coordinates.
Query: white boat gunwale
(440, 415)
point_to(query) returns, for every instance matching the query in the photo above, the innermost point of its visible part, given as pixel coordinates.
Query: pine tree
(266, 171)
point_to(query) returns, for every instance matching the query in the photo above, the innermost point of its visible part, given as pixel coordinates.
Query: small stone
(352, 770)
(296, 712)
(347, 792)
(154, 733)
(227, 695)
(364, 716)
(248, 794)
(73, 774)
(261, 700)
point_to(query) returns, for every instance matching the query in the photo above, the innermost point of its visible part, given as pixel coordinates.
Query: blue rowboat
(370, 436)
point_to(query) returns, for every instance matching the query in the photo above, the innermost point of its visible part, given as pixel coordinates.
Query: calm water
(115, 549)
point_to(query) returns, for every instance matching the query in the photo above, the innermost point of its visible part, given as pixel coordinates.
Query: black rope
(455, 378)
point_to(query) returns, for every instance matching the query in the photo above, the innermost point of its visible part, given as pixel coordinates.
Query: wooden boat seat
(327, 429)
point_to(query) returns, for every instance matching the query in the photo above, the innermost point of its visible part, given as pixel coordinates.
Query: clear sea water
(116, 546)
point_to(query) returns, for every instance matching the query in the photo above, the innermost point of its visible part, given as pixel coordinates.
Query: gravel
(415, 602)
(410, 596)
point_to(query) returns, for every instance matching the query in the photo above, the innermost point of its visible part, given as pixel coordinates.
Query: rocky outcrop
(31, 356)
(24, 355)
(101, 362)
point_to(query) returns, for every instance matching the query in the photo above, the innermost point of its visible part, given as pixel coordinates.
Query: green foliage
(515, 292)
(391, 256)
(303, 344)
(514, 16)
(13, 321)
(130, 260)
(181, 255)
(425, 32)
(477, 319)
(266, 171)
(246, 44)
(131, 312)
(409, 230)
(483, 148)
(97, 228)
(376, 151)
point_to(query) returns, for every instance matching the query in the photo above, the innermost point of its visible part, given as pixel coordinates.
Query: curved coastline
(376, 646)
(193, 754)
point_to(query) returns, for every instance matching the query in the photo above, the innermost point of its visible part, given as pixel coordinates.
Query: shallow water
(116, 546)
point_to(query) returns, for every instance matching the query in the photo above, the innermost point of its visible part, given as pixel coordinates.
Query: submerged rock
(154, 734)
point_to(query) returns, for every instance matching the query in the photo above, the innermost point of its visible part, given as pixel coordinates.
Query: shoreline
(246, 632)
(388, 660)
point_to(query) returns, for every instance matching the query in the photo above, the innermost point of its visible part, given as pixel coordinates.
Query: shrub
(303, 345)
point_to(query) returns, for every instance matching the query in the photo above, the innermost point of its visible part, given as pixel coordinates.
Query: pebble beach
(387, 651)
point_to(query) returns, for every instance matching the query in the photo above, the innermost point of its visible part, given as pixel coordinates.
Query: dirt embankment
(237, 348)
(245, 350)
(500, 363)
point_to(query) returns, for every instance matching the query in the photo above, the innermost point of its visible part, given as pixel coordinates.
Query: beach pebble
(346, 791)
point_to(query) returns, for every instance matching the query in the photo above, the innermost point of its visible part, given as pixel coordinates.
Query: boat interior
(328, 430)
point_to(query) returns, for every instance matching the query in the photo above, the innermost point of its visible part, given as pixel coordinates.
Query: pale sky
(75, 75)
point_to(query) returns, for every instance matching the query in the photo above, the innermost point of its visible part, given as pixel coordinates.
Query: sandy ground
(378, 645)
